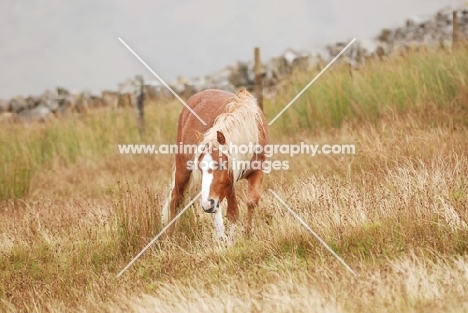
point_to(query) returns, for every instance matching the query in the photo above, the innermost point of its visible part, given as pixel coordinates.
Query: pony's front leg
(219, 224)
(232, 214)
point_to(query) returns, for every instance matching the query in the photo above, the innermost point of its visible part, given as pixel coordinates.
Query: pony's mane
(239, 125)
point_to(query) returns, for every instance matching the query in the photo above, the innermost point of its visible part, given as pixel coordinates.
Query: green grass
(420, 82)
(24, 151)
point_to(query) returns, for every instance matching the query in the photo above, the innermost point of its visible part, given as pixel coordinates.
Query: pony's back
(208, 105)
(238, 113)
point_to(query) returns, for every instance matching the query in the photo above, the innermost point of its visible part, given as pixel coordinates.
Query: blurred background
(52, 43)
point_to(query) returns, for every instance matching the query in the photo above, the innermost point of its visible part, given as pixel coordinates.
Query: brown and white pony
(232, 119)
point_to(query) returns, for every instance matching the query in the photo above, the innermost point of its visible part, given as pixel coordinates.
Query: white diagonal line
(313, 233)
(160, 79)
(158, 235)
(312, 81)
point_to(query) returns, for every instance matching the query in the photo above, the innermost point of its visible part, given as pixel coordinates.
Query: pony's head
(217, 180)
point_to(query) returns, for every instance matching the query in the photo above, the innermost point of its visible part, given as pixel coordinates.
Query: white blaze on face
(207, 167)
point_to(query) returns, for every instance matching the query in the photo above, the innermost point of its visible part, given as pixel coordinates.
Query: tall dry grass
(396, 211)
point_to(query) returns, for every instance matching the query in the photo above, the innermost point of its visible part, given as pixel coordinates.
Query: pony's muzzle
(213, 206)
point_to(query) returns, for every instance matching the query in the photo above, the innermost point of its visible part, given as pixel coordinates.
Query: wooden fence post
(140, 102)
(455, 30)
(258, 78)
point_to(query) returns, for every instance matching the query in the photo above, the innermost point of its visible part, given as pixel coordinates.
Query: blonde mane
(239, 125)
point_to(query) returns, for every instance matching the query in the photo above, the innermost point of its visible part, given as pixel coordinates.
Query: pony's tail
(165, 209)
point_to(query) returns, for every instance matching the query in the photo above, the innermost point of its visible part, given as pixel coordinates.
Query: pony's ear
(200, 136)
(220, 137)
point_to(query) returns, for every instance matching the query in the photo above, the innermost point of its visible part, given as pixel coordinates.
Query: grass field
(74, 212)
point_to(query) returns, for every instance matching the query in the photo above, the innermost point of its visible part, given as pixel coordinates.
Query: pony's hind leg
(253, 197)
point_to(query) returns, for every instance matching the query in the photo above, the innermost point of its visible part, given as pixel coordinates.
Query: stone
(51, 104)
(62, 91)
(18, 104)
(39, 113)
(32, 102)
(385, 35)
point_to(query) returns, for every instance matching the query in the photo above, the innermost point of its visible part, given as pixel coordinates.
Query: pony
(231, 120)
